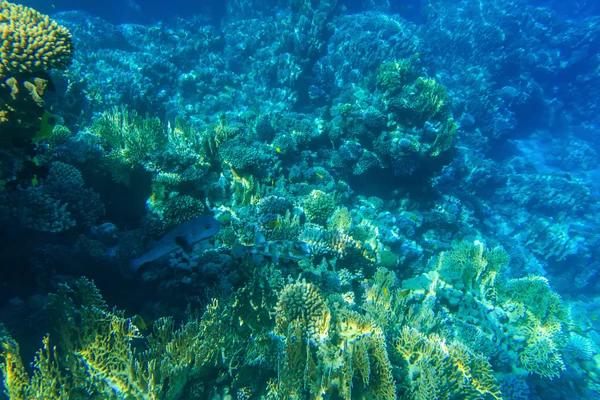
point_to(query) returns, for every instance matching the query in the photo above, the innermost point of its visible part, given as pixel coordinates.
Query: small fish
(276, 250)
(273, 224)
(183, 236)
(140, 322)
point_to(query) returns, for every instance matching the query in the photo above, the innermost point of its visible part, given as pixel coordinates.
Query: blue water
(407, 194)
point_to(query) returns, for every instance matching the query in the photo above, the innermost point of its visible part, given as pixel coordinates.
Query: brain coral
(31, 42)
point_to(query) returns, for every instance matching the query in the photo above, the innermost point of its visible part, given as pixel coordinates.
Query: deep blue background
(148, 11)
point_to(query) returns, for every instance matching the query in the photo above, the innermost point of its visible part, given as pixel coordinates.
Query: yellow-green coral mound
(302, 301)
(31, 41)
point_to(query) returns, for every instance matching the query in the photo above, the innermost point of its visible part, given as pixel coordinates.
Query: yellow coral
(362, 352)
(31, 42)
(542, 354)
(108, 357)
(98, 357)
(301, 301)
(436, 369)
(131, 138)
(473, 268)
(48, 381)
(536, 294)
(16, 380)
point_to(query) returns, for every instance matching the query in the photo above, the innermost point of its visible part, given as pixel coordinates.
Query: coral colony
(301, 202)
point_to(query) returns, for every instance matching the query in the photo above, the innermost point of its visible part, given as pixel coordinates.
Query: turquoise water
(336, 200)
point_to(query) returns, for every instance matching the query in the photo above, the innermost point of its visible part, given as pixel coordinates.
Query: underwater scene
(300, 199)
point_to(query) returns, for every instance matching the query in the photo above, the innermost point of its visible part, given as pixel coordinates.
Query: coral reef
(407, 202)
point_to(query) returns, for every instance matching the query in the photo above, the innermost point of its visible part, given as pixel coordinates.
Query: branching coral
(541, 354)
(473, 268)
(349, 357)
(47, 382)
(58, 203)
(394, 75)
(541, 322)
(360, 351)
(131, 138)
(31, 44)
(31, 41)
(319, 206)
(519, 318)
(302, 302)
(437, 369)
(97, 354)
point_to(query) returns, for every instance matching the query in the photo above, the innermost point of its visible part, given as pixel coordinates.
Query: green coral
(179, 209)
(95, 352)
(329, 351)
(445, 134)
(519, 318)
(423, 100)
(437, 369)
(394, 75)
(319, 206)
(422, 112)
(542, 321)
(292, 340)
(129, 138)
